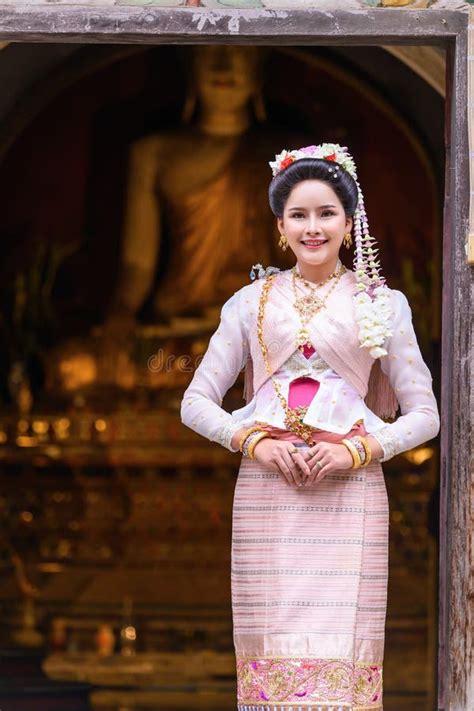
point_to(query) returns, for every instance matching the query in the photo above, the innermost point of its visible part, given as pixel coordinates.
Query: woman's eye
(325, 212)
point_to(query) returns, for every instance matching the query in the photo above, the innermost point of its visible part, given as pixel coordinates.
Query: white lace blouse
(336, 406)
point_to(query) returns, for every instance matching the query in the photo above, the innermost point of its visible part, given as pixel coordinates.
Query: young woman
(328, 352)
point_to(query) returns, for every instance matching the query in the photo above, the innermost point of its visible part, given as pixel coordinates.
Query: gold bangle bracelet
(368, 451)
(254, 442)
(246, 434)
(356, 461)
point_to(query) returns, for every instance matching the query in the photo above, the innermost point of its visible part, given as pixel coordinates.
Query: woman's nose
(313, 224)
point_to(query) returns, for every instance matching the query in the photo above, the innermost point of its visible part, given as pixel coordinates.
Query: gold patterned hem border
(323, 706)
(308, 682)
(360, 663)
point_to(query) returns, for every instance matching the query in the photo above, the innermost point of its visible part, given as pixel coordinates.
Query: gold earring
(283, 243)
(347, 241)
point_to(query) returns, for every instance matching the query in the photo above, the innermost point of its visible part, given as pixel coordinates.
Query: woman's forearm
(375, 447)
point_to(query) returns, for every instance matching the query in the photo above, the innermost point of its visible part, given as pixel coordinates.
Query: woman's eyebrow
(302, 208)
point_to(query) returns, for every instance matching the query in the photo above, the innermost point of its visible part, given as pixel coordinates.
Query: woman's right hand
(275, 453)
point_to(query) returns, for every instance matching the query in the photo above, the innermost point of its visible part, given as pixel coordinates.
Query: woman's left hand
(332, 457)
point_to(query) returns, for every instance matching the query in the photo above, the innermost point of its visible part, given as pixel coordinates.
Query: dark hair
(283, 183)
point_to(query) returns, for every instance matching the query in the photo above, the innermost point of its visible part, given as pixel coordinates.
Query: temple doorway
(118, 518)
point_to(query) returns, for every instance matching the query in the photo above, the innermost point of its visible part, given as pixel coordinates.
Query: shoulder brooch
(261, 272)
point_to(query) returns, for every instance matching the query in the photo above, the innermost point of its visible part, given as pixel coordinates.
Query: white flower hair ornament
(372, 308)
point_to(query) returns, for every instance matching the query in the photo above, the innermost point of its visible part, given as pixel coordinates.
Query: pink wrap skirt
(309, 587)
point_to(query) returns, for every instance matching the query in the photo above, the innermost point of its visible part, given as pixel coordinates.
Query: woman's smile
(313, 243)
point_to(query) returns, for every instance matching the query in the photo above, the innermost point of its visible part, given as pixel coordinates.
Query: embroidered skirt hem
(278, 707)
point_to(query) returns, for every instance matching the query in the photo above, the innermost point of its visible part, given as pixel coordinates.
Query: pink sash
(317, 435)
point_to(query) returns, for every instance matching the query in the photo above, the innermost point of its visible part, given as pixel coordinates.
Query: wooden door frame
(381, 26)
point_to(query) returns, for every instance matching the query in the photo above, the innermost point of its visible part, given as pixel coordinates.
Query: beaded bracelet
(245, 447)
(248, 440)
(358, 444)
(254, 441)
(362, 450)
(356, 461)
(246, 434)
(368, 451)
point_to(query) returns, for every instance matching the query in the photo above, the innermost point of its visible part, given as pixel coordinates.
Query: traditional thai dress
(310, 564)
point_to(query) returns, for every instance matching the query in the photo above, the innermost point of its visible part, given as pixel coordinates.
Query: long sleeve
(222, 362)
(411, 380)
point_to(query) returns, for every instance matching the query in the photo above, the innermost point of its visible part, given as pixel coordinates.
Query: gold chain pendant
(310, 304)
(293, 417)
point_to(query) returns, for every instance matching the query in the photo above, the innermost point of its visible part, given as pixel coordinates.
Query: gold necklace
(309, 304)
(310, 284)
(293, 418)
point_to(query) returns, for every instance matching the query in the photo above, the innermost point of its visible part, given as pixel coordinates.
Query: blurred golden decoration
(105, 640)
(419, 455)
(25, 441)
(23, 426)
(128, 632)
(40, 427)
(26, 634)
(61, 427)
(141, 669)
(76, 370)
(100, 425)
(25, 398)
(58, 634)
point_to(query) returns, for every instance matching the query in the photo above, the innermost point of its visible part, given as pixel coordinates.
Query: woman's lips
(314, 246)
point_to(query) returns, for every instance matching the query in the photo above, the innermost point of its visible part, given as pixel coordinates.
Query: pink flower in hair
(307, 150)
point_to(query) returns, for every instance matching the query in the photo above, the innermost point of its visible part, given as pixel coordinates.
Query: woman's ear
(280, 224)
(349, 223)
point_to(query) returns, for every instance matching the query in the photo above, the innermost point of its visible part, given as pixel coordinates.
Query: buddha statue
(197, 214)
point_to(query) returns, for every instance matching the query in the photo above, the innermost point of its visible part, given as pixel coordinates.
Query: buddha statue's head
(225, 77)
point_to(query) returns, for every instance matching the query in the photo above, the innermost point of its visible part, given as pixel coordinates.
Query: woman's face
(314, 223)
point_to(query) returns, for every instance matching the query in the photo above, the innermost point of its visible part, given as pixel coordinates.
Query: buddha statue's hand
(280, 456)
(324, 458)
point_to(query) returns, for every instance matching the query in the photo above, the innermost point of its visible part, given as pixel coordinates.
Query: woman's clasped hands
(302, 466)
